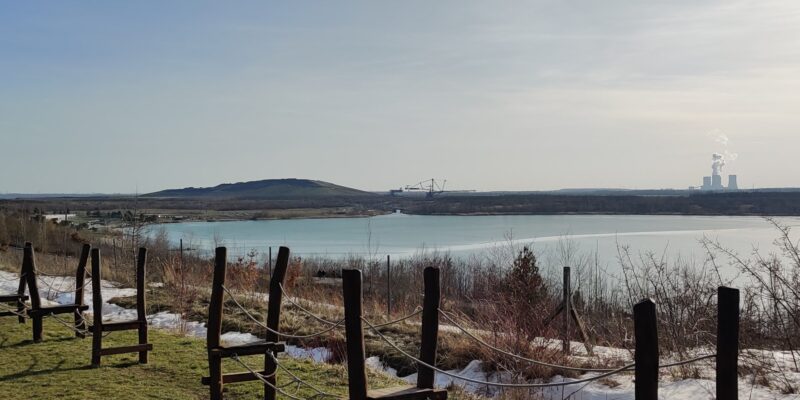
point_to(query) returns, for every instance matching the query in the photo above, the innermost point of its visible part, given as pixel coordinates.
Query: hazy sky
(100, 96)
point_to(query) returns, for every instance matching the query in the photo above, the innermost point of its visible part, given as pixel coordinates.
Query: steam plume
(717, 162)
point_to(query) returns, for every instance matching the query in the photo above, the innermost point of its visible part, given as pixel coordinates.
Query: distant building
(58, 217)
(706, 183)
(732, 184)
(716, 182)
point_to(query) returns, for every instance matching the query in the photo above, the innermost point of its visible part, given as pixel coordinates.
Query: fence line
(497, 384)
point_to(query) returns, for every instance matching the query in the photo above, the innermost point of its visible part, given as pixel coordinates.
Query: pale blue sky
(100, 96)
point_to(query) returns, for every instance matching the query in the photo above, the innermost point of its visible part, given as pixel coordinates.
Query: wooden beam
(587, 343)
(430, 328)
(356, 370)
(80, 278)
(29, 265)
(121, 326)
(141, 304)
(727, 343)
(214, 326)
(274, 317)
(21, 292)
(646, 356)
(136, 348)
(97, 309)
(234, 377)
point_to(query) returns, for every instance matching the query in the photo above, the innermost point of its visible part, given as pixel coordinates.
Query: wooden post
(388, 285)
(214, 326)
(430, 328)
(566, 315)
(80, 279)
(141, 305)
(21, 289)
(269, 259)
(727, 343)
(646, 356)
(97, 309)
(356, 370)
(274, 317)
(29, 265)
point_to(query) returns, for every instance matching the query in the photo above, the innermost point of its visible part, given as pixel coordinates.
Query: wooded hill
(265, 189)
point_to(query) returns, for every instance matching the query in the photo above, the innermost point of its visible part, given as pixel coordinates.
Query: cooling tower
(716, 182)
(732, 184)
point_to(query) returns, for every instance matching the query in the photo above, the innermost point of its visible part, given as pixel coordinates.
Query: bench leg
(215, 377)
(37, 328)
(143, 340)
(97, 344)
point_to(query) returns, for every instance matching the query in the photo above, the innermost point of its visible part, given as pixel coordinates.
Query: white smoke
(717, 162)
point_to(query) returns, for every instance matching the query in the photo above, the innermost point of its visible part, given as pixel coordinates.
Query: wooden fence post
(646, 356)
(727, 343)
(214, 326)
(430, 328)
(141, 305)
(356, 370)
(274, 317)
(566, 315)
(97, 309)
(80, 279)
(29, 266)
(388, 286)
(21, 289)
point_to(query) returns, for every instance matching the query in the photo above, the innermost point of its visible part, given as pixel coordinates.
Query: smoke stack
(732, 185)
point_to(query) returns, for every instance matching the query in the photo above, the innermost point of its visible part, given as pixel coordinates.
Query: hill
(266, 189)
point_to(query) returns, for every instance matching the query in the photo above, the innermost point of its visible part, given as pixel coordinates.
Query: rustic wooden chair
(37, 312)
(139, 324)
(356, 371)
(217, 351)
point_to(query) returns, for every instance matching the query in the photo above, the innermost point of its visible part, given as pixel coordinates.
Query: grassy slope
(59, 368)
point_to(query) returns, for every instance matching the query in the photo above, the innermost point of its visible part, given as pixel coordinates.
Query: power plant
(714, 182)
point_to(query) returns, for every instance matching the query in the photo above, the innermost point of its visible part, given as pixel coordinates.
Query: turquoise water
(401, 235)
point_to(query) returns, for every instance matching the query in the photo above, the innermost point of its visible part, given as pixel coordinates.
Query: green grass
(58, 368)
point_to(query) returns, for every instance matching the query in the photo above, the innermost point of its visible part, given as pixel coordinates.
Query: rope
(15, 312)
(51, 288)
(50, 275)
(15, 278)
(418, 311)
(263, 378)
(670, 365)
(485, 383)
(297, 378)
(689, 361)
(286, 335)
(86, 332)
(532, 361)
(309, 313)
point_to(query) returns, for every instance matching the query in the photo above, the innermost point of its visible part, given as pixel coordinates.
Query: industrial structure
(430, 187)
(714, 182)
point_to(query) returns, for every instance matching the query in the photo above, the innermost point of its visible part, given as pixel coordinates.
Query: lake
(401, 235)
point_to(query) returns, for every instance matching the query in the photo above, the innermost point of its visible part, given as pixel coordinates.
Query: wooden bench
(139, 324)
(217, 351)
(356, 369)
(37, 312)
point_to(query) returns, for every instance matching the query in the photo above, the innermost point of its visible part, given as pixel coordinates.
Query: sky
(123, 97)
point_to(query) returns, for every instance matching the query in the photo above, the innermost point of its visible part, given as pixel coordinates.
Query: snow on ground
(60, 290)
